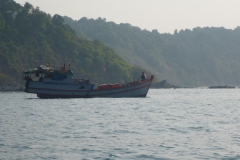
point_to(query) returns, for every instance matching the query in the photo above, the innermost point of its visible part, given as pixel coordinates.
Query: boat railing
(53, 67)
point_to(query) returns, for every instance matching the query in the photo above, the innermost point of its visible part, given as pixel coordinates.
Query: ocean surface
(167, 124)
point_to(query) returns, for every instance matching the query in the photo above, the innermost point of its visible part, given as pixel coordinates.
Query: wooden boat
(49, 82)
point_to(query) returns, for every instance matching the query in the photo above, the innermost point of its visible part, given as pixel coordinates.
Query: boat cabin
(48, 74)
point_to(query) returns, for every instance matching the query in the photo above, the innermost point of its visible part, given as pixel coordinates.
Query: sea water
(167, 124)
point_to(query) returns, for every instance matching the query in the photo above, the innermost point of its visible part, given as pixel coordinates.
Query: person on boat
(143, 77)
(64, 67)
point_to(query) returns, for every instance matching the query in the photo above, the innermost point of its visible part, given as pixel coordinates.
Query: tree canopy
(198, 57)
(30, 37)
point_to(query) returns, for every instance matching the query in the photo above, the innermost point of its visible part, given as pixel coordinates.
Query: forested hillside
(198, 57)
(29, 37)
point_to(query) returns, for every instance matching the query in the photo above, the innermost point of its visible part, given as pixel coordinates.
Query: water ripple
(169, 124)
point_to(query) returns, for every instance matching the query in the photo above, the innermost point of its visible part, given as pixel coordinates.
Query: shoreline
(6, 88)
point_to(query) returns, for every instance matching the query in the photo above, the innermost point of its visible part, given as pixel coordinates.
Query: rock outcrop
(221, 87)
(11, 88)
(163, 84)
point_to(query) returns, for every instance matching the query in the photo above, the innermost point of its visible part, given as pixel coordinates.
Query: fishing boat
(49, 81)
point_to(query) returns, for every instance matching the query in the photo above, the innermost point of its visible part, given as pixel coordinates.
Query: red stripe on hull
(91, 90)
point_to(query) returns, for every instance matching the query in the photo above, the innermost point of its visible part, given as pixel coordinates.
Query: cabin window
(48, 76)
(58, 77)
(82, 87)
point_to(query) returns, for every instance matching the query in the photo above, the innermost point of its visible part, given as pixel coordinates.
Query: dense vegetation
(202, 56)
(29, 37)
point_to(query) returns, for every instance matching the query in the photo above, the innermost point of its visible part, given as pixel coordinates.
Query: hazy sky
(163, 15)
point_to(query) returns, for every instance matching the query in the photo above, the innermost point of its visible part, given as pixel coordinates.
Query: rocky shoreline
(161, 85)
(164, 84)
(221, 87)
(4, 88)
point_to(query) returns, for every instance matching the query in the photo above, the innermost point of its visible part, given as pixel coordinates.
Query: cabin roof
(47, 70)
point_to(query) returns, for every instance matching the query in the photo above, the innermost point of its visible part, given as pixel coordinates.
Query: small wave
(237, 157)
(165, 146)
(143, 156)
(196, 128)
